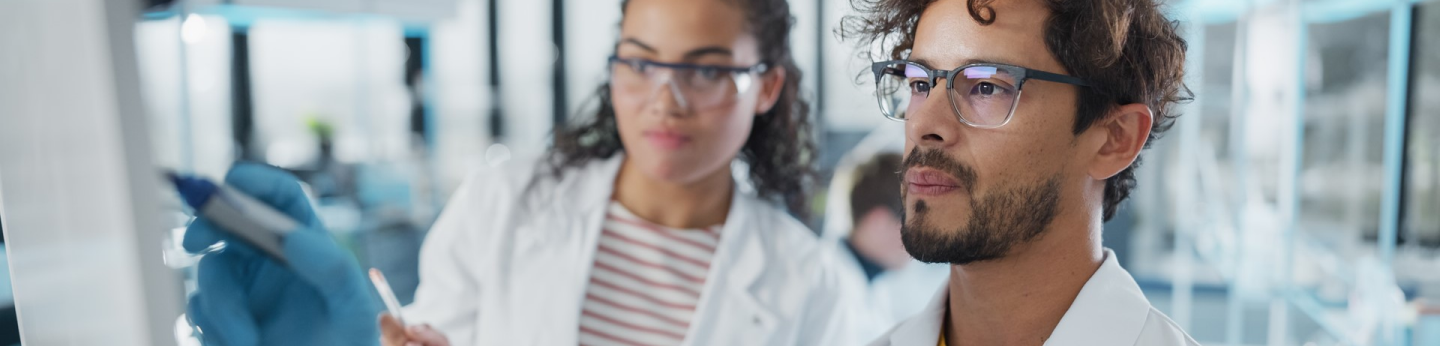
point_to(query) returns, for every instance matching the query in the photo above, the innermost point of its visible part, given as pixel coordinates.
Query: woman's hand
(394, 334)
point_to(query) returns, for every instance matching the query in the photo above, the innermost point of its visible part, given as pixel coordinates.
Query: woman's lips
(668, 140)
(927, 181)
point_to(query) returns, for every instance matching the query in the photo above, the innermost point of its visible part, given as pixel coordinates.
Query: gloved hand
(247, 298)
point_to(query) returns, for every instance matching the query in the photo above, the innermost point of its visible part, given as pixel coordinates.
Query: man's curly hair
(1126, 49)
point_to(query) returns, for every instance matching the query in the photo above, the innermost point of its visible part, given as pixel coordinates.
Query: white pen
(387, 295)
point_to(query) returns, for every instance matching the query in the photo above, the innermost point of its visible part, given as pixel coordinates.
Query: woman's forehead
(680, 28)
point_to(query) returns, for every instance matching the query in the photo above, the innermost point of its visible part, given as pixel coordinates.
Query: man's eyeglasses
(698, 86)
(982, 95)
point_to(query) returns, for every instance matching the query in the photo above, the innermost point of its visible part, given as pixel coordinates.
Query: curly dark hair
(1126, 49)
(780, 150)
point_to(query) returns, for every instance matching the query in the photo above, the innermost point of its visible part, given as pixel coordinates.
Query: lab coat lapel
(572, 242)
(924, 328)
(594, 188)
(1110, 310)
(728, 302)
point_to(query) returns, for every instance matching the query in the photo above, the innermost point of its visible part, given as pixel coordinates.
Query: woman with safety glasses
(635, 231)
(661, 220)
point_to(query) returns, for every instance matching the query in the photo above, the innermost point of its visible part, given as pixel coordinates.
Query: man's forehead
(947, 36)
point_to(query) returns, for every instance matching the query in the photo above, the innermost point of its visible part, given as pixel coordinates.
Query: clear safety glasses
(981, 95)
(693, 86)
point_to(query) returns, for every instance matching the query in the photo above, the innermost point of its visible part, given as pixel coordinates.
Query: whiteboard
(81, 199)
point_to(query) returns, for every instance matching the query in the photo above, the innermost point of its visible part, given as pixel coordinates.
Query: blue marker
(234, 212)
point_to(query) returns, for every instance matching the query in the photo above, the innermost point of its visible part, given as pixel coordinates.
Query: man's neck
(1019, 299)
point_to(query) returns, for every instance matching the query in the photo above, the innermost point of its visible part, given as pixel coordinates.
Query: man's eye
(988, 89)
(920, 86)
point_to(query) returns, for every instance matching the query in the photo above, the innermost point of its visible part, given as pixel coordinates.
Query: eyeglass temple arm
(1054, 77)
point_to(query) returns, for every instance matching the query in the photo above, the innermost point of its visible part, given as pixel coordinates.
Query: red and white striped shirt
(646, 281)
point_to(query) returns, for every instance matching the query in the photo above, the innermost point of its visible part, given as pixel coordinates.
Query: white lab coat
(1110, 310)
(509, 260)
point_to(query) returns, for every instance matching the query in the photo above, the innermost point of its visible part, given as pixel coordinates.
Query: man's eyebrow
(923, 62)
(983, 61)
(931, 65)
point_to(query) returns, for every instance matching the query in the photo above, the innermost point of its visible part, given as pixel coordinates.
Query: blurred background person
(876, 205)
(893, 276)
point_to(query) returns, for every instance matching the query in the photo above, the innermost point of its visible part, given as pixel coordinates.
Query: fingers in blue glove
(316, 258)
(201, 234)
(219, 309)
(332, 271)
(274, 187)
(270, 185)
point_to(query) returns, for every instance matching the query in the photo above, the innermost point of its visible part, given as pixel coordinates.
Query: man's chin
(953, 245)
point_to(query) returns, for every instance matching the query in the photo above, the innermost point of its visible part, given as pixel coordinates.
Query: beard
(1013, 214)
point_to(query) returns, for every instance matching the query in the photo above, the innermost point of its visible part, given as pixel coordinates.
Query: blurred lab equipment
(1427, 325)
(1277, 216)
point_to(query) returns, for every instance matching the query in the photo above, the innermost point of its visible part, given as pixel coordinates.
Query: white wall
(591, 30)
(848, 106)
(462, 97)
(527, 63)
(186, 86)
(459, 89)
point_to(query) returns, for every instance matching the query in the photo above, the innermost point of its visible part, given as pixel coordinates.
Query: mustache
(936, 159)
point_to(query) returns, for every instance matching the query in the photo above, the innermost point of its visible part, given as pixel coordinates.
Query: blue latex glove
(247, 298)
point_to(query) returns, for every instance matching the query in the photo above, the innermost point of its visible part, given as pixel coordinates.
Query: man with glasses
(1024, 122)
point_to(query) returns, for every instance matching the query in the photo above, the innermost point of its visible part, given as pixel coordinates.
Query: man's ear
(772, 82)
(1123, 133)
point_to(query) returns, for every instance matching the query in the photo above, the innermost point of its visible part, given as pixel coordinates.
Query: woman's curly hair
(1126, 49)
(780, 150)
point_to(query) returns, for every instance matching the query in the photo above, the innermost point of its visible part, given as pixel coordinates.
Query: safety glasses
(694, 86)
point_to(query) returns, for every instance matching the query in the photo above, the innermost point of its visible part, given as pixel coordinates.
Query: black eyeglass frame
(1022, 75)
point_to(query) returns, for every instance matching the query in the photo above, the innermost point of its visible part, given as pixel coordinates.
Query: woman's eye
(708, 73)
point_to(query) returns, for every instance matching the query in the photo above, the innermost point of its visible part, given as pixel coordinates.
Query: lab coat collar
(924, 328)
(1110, 310)
(597, 184)
(741, 246)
